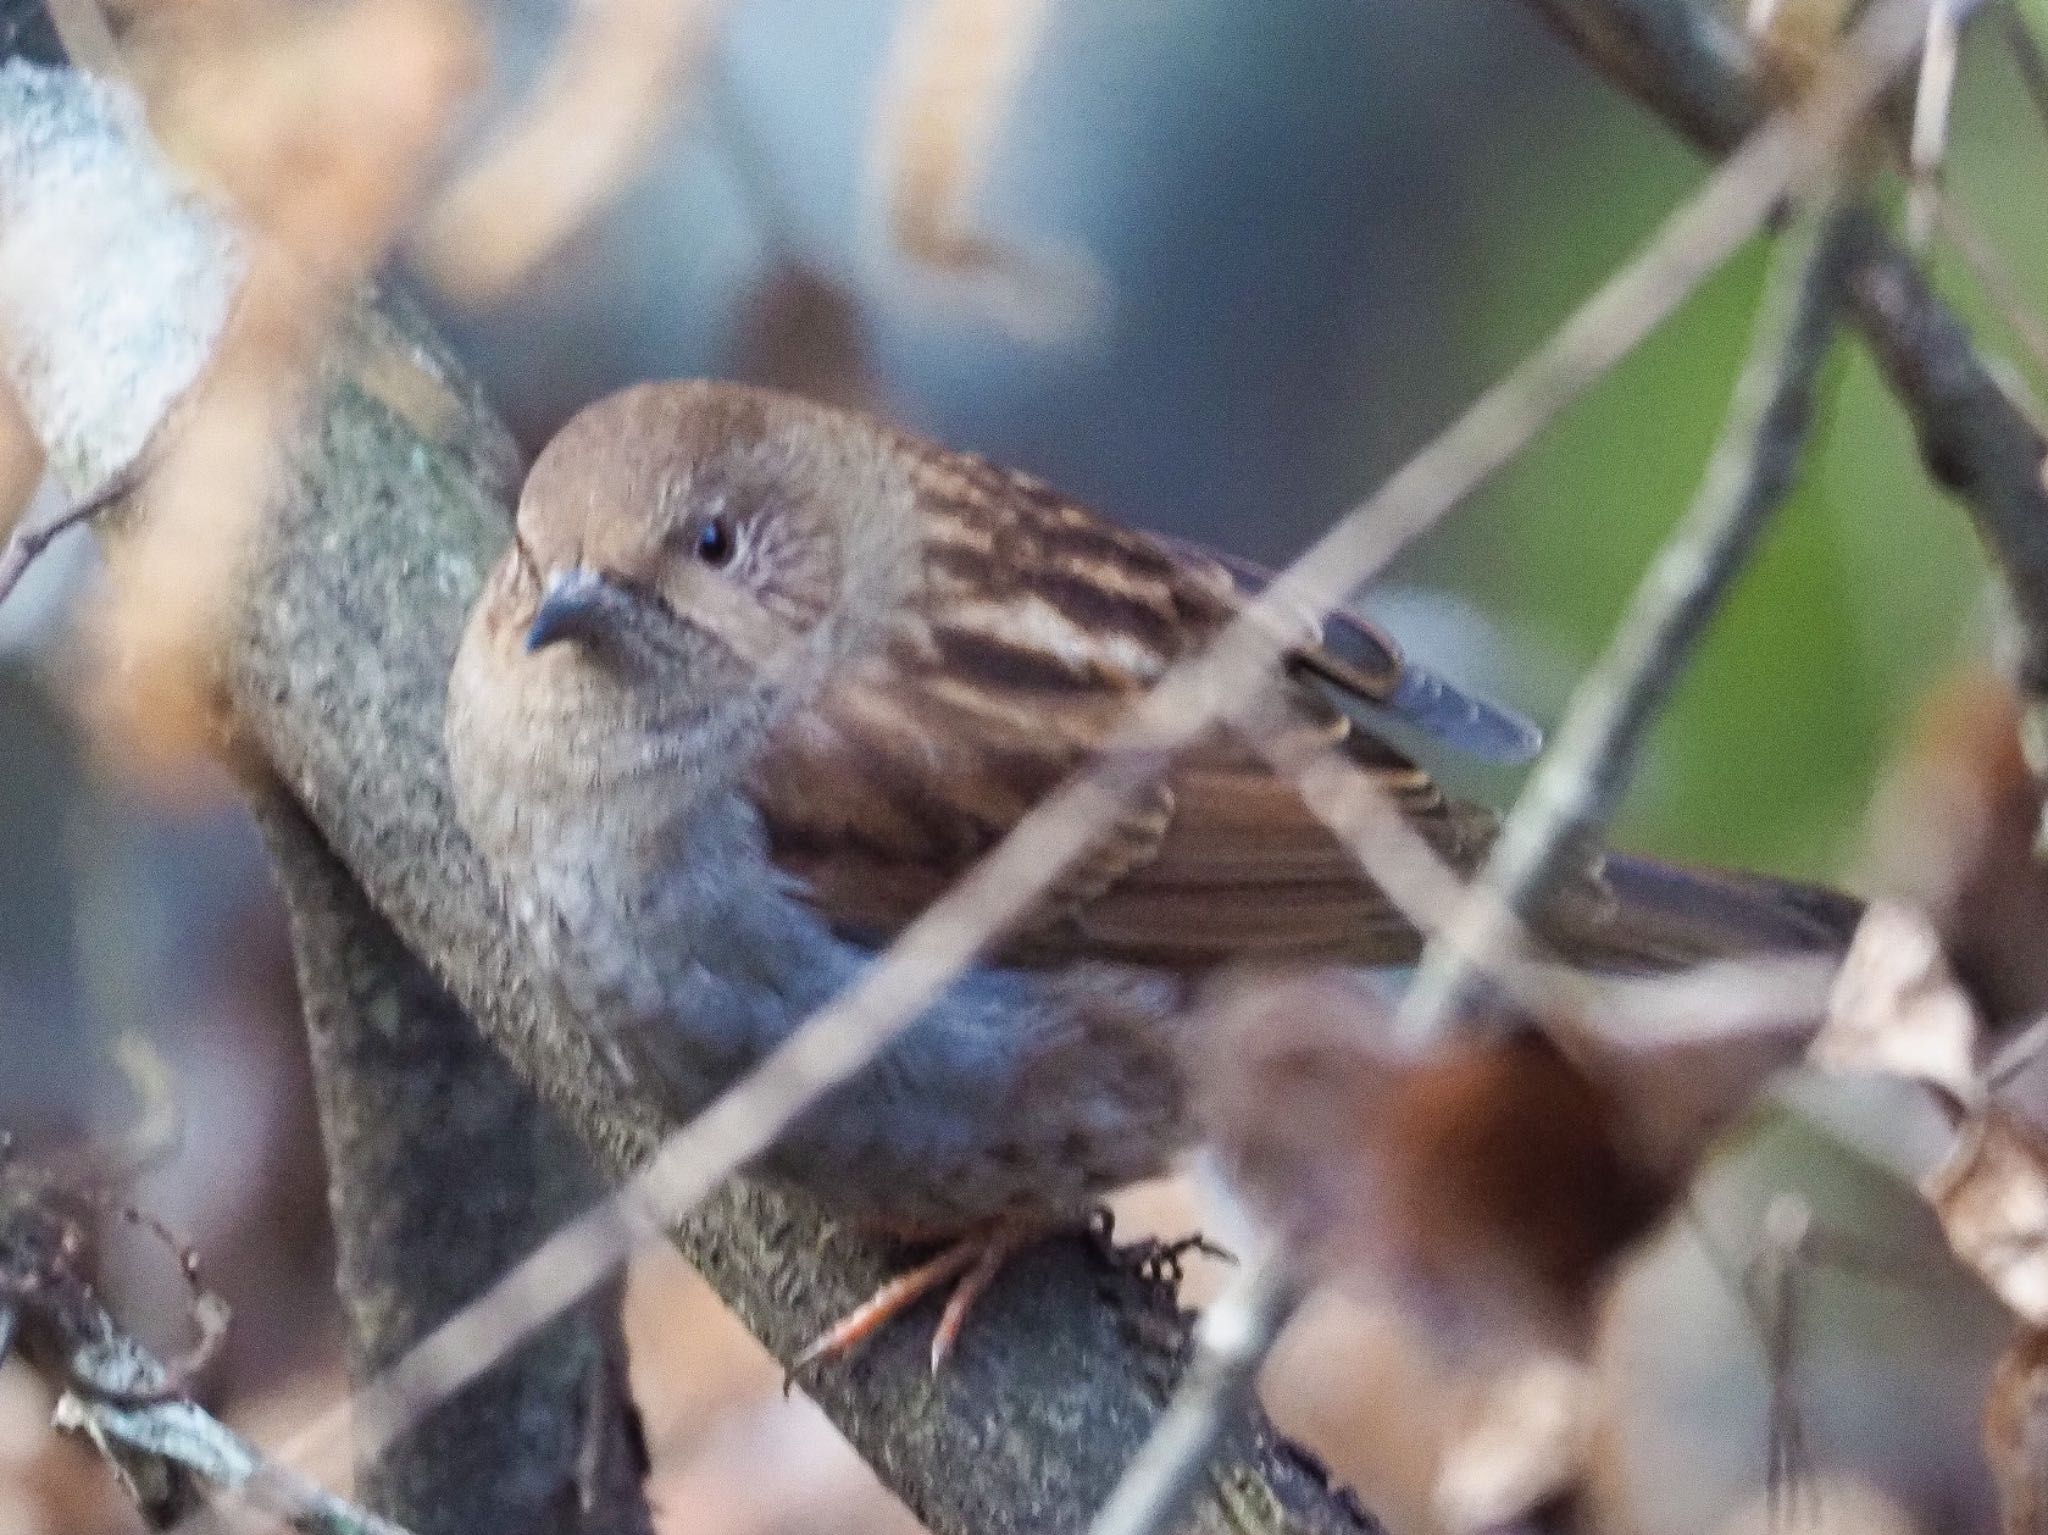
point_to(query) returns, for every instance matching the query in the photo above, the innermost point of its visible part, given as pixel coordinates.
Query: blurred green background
(1871, 584)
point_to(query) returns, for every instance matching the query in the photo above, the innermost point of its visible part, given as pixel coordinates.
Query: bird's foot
(972, 1263)
(1155, 1260)
(1162, 1261)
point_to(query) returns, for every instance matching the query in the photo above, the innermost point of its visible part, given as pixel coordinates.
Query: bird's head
(700, 533)
(692, 553)
(691, 562)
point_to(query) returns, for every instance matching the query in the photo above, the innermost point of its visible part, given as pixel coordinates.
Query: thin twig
(1771, 1000)
(1764, 1285)
(1971, 242)
(1232, 1340)
(1776, 1295)
(1417, 880)
(30, 540)
(184, 1434)
(841, 1038)
(1933, 101)
(1976, 440)
(170, 1378)
(1573, 791)
(1691, 62)
(127, 1400)
(2026, 53)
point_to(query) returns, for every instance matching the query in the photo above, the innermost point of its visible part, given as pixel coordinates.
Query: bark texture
(442, 1172)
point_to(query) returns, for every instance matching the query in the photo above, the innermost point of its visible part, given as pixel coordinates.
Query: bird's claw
(973, 1262)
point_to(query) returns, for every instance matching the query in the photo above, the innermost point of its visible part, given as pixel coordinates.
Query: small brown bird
(759, 679)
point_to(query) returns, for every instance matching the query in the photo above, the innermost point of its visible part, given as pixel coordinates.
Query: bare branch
(128, 1402)
(1686, 62)
(1422, 886)
(1976, 439)
(26, 545)
(1932, 102)
(1235, 1335)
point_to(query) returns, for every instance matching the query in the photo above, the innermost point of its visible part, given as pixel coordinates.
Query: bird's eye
(714, 541)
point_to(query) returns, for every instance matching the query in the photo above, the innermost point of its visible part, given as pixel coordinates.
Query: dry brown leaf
(1952, 830)
(1488, 1182)
(313, 124)
(1897, 1009)
(1991, 1196)
(612, 83)
(953, 74)
(1682, 1058)
(1524, 1450)
(21, 461)
(2016, 1432)
(1793, 37)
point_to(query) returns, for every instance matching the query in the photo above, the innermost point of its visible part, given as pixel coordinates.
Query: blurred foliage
(1868, 587)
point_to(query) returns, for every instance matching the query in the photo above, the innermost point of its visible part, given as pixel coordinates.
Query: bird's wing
(1365, 674)
(1038, 626)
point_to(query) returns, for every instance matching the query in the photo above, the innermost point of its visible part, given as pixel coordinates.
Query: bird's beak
(576, 604)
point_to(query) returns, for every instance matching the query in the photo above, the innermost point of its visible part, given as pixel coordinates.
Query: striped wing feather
(1038, 627)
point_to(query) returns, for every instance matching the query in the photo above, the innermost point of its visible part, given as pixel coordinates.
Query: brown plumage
(1036, 627)
(760, 679)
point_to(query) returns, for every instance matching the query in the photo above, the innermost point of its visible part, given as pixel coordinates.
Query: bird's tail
(1656, 915)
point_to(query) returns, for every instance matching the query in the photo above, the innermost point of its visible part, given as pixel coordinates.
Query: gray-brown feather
(1037, 626)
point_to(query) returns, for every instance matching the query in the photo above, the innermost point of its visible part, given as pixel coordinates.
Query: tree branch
(338, 676)
(1974, 439)
(166, 1450)
(443, 1170)
(1687, 63)
(1236, 1333)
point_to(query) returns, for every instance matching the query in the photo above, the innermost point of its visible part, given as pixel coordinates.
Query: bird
(758, 679)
